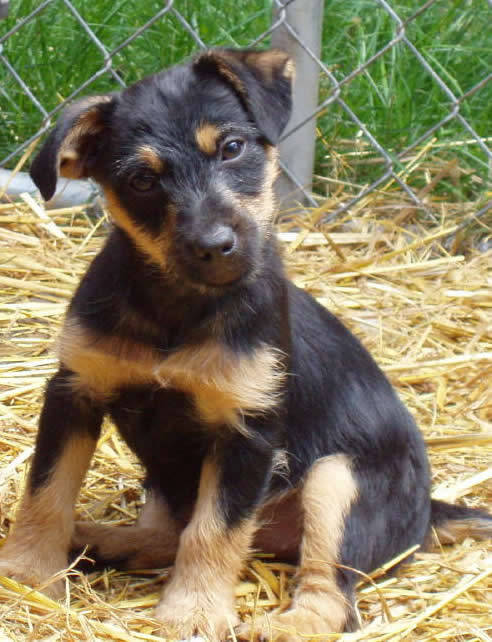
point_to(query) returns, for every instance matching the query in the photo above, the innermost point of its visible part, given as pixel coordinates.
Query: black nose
(217, 243)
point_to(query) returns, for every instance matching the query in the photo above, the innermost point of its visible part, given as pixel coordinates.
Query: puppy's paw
(186, 618)
(33, 569)
(293, 625)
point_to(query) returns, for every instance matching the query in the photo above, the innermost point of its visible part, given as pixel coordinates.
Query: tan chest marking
(101, 366)
(225, 386)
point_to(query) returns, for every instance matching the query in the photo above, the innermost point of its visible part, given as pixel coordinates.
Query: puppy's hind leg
(151, 543)
(319, 605)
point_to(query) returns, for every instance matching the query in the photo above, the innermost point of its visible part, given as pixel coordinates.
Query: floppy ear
(262, 79)
(72, 147)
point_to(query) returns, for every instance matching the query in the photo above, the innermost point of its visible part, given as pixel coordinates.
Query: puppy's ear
(262, 79)
(72, 147)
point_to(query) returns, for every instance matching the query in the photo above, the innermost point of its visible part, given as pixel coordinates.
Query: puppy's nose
(217, 243)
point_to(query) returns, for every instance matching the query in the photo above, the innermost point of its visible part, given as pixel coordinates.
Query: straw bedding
(421, 302)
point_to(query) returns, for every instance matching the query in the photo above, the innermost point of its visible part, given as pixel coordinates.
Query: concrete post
(4, 8)
(297, 150)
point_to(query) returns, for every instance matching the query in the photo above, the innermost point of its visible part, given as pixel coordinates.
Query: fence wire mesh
(403, 103)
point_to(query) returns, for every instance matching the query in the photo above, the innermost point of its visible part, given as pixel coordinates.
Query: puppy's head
(186, 159)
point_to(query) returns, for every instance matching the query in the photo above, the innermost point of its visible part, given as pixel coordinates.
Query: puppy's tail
(451, 523)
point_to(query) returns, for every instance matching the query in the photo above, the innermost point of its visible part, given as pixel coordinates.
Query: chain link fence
(392, 96)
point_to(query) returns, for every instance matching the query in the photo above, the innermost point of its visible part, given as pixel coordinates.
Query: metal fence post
(305, 17)
(4, 8)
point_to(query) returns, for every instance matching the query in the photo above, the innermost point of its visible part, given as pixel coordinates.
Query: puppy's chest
(224, 385)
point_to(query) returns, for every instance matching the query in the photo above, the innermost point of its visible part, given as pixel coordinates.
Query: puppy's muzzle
(218, 245)
(214, 255)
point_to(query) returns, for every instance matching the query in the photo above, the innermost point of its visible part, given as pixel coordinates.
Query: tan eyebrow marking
(207, 137)
(150, 156)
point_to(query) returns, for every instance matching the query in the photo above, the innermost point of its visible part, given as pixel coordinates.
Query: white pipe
(70, 192)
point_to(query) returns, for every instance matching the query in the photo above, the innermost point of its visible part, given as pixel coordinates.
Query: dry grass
(425, 313)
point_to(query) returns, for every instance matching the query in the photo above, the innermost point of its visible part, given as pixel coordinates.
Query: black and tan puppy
(261, 421)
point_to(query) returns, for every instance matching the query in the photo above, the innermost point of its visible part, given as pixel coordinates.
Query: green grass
(54, 55)
(395, 98)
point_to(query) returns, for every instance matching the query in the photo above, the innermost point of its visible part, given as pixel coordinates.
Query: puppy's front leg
(199, 598)
(68, 431)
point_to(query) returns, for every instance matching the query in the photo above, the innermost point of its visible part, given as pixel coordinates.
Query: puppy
(261, 421)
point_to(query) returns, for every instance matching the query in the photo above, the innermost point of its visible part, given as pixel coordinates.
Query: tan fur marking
(69, 161)
(454, 531)
(269, 62)
(100, 368)
(150, 157)
(225, 386)
(207, 137)
(151, 543)
(327, 496)
(231, 77)
(38, 545)
(135, 547)
(290, 70)
(318, 607)
(200, 594)
(225, 63)
(261, 208)
(154, 248)
(156, 513)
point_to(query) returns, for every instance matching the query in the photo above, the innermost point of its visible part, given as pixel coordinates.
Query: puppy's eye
(232, 149)
(143, 181)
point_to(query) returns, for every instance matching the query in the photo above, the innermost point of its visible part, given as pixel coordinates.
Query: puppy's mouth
(217, 276)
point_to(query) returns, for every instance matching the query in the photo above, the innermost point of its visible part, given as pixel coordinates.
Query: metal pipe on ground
(70, 192)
